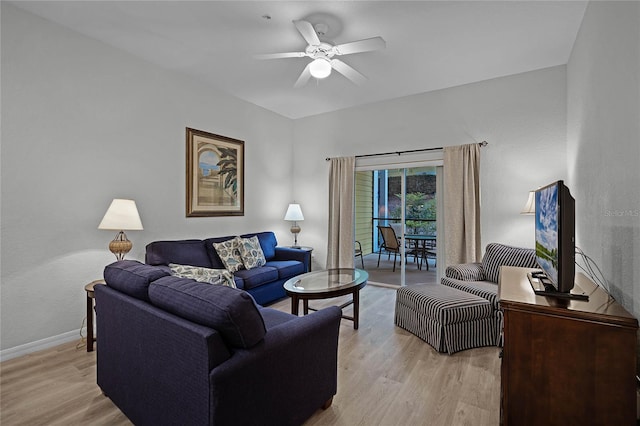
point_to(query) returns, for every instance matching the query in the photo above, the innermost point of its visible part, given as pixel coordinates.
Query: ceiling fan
(323, 54)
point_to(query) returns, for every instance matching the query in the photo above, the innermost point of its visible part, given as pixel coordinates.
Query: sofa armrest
(466, 272)
(287, 253)
(285, 378)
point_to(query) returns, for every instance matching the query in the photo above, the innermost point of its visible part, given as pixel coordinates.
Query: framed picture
(215, 175)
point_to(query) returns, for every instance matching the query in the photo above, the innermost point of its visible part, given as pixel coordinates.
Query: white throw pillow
(229, 254)
(251, 252)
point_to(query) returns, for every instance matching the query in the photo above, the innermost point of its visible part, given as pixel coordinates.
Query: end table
(90, 297)
(308, 250)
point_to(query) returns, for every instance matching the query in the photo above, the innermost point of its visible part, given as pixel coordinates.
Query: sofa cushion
(203, 275)
(498, 255)
(229, 254)
(287, 268)
(485, 289)
(251, 252)
(232, 312)
(268, 243)
(273, 317)
(256, 277)
(132, 277)
(181, 252)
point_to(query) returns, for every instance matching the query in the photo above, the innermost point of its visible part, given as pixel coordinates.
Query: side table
(307, 249)
(90, 297)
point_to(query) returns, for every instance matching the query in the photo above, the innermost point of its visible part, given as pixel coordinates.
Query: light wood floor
(386, 376)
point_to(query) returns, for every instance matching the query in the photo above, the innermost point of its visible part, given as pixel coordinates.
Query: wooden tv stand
(565, 361)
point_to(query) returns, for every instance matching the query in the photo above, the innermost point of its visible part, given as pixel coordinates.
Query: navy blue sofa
(263, 283)
(173, 351)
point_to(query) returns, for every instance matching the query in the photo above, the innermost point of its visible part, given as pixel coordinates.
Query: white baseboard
(39, 345)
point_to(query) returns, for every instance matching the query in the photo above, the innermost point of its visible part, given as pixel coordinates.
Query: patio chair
(358, 252)
(390, 243)
(423, 247)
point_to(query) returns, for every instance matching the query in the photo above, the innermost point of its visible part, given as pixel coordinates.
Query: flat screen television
(555, 235)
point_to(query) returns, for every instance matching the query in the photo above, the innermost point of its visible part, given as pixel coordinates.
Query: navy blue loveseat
(173, 351)
(263, 283)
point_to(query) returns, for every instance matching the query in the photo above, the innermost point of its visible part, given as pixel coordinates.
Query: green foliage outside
(418, 206)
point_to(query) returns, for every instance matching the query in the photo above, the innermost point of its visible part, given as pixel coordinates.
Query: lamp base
(120, 245)
(295, 230)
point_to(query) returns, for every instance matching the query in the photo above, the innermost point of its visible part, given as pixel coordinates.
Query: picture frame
(214, 175)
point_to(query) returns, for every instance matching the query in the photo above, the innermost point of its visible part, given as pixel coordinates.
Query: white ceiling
(430, 44)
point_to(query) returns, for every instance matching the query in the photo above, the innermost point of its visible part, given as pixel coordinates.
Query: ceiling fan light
(320, 68)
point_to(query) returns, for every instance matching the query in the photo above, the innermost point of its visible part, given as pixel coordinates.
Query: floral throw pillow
(251, 252)
(229, 254)
(203, 275)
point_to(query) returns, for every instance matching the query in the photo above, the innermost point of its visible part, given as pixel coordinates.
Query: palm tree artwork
(229, 169)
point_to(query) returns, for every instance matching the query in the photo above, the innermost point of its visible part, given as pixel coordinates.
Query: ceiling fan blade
(305, 75)
(280, 55)
(366, 45)
(308, 32)
(348, 71)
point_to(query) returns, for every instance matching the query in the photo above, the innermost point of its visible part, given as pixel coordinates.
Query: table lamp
(122, 215)
(294, 213)
(530, 206)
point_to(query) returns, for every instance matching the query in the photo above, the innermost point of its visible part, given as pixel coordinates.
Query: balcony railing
(412, 225)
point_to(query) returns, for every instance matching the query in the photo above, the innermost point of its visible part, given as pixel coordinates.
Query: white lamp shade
(294, 212)
(530, 206)
(122, 215)
(320, 68)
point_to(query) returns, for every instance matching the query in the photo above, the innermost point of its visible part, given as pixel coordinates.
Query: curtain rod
(483, 143)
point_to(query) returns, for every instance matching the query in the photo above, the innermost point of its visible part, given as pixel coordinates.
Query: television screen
(555, 235)
(547, 215)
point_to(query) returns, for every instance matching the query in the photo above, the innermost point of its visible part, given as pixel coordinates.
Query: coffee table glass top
(326, 280)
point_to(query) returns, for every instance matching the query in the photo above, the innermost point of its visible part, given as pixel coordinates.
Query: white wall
(604, 143)
(523, 117)
(84, 123)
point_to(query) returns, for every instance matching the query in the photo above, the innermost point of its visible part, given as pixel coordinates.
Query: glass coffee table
(327, 284)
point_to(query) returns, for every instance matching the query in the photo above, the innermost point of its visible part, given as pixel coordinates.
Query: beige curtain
(462, 204)
(340, 241)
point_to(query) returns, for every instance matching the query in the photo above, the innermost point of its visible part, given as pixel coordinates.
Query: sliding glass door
(396, 223)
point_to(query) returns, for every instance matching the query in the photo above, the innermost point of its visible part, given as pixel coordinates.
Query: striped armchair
(481, 279)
